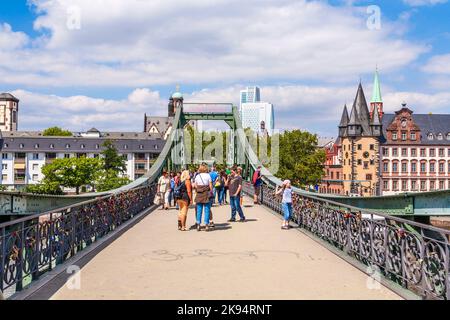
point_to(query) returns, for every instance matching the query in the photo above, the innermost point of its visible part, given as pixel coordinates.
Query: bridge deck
(253, 260)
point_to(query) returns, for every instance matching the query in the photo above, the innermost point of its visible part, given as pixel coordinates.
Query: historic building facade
(415, 156)
(360, 137)
(332, 181)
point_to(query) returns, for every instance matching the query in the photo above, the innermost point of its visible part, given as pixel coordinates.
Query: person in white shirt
(203, 186)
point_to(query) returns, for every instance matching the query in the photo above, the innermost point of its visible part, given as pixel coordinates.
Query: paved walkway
(252, 260)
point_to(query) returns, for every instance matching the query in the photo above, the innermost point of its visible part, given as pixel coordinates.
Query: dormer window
(394, 136)
(141, 146)
(52, 146)
(430, 136)
(21, 146)
(448, 136)
(97, 146)
(156, 147)
(413, 136)
(82, 146)
(5, 145)
(67, 146)
(440, 136)
(36, 146)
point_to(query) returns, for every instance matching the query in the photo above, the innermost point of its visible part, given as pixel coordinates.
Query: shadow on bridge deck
(253, 260)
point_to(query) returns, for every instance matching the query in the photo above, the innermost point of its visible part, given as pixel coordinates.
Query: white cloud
(137, 43)
(417, 3)
(439, 64)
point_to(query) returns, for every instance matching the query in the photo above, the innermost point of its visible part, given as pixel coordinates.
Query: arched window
(125, 147)
(440, 136)
(430, 136)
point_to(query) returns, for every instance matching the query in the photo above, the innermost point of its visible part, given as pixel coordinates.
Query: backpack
(179, 191)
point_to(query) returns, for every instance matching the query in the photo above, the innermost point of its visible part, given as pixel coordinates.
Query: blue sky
(78, 64)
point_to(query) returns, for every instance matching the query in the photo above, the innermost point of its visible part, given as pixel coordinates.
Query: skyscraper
(250, 95)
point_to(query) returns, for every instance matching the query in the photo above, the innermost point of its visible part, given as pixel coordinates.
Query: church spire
(344, 123)
(377, 101)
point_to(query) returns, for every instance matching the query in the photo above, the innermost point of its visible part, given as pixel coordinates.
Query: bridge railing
(413, 255)
(32, 246)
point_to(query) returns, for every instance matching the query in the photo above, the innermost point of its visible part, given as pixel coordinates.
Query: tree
(72, 172)
(300, 160)
(56, 132)
(112, 161)
(109, 180)
(52, 188)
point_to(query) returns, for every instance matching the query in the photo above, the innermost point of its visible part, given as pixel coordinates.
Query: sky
(104, 63)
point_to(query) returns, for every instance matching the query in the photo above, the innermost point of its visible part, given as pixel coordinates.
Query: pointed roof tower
(354, 118)
(344, 118)
(376, 118)
(363, 111)
(376, 95)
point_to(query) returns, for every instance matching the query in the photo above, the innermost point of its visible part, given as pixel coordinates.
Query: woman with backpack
(183, 196)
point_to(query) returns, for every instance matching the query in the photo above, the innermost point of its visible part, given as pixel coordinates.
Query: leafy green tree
(109, 180)
(300, 159)
(56, 132)
(52, 188)
(112, 161)
(72, 172)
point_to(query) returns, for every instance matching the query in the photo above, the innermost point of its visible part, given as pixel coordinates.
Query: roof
(162, 124)
(104, 135)
(428, 123)
(363, 111)
(7, 97)
(323, 142)
(376, 96)
(344, 118)
(78, 144)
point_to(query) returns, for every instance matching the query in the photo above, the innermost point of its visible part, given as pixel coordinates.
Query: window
(404, 167)
(440, 136)
(423, 167)
(404, 185)
(422, 152)
(403, 136)
(141, 146)
(4, 166)
(67, 155)
(423, 185)
(404, 152)
(35, 167)
(395, 167)
(97, 146)
(413, 136)
(413, 152)
(82, 146)
(366, 164)
(432, 185)
(395, 185)
(359, 146)
(359, 162)
(386, 152)
(4, 177)
(413, 185)
(394, 136)
(35, 156)
(430, 136)
(369, 177)
(35, 177)
(432, 167)
(372, 147)
(156, 147)
(96, 155)
(67, 146)
(432, 152)
(441, 167)
(413, 167)
(21, 146)
(441, 152)
(50, 156)
(125, 147)
(36, 146)
(5, 156)
(394, 152)
(441, 185)
(385, 185)
(52, 146)
(448, 136)
(385, 167)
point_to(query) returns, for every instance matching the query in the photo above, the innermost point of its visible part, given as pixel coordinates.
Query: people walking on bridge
(220, 186)
(164, 190)
(183, 196)
(257, 182)
(204, 188)
(172, 188)
(214, 175)
(235, 189)
(286, 202)
(228, 174)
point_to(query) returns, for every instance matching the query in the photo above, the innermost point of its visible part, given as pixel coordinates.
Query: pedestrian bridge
(251, 260)
(341, 241)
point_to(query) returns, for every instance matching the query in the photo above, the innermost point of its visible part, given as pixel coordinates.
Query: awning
(19, 166)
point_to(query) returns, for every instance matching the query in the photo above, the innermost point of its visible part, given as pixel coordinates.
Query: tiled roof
(428, 123)
(8, 96)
